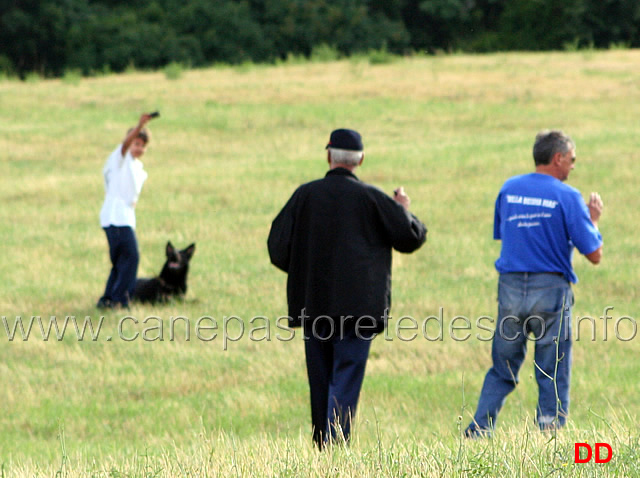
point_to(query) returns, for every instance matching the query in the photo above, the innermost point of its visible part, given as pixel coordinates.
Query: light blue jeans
(532, 307)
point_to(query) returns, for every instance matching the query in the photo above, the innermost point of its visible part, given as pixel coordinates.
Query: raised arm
(595, 206)
(133, 133)
(405, 230)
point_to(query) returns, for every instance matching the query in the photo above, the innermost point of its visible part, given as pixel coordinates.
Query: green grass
(229, 149)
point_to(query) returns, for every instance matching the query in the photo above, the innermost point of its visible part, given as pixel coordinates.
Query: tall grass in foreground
(230, 147)
(519, 451)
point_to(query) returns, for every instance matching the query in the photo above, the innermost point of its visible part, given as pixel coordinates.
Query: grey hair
(345, 156)
(548, 143)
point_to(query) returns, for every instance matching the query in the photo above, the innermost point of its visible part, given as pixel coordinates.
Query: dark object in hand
(155, 114)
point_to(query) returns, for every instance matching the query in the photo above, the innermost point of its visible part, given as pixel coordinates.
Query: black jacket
(334, 239)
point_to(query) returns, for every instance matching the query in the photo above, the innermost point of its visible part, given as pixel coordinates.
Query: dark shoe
(474, 433)
(104, 304)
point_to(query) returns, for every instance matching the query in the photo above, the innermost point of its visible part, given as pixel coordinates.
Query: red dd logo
(598, 457)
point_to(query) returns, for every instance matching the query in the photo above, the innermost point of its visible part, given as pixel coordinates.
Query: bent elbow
(595, 257)
(408, 245)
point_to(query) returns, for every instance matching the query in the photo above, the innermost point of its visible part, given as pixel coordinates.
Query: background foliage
(52, 36)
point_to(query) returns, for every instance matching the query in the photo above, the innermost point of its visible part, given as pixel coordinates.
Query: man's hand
(401, 198)
(595, 206)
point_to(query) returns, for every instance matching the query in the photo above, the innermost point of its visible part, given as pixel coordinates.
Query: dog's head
(179, 259)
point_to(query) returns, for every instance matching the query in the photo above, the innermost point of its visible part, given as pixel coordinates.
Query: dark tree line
(52, 36)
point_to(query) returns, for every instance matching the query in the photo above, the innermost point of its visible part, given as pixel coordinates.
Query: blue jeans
(123, 251)
(531, 307)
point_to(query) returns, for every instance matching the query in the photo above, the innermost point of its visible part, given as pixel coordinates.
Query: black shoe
(477, 433)
(104, 304)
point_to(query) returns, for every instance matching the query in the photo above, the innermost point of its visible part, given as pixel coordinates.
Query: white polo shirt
(123, 180)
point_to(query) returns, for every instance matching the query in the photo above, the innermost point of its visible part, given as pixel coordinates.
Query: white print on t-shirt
(529, 201)
(528, 220)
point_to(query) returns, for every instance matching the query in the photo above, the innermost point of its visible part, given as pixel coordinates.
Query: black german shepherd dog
(172, 281)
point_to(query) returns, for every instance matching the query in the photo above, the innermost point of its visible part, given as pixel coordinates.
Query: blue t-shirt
(539, 220)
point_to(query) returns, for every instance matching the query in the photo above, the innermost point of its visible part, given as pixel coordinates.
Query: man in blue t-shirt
(539, 220)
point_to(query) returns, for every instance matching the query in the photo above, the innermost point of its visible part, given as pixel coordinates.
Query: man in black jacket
(334, 239)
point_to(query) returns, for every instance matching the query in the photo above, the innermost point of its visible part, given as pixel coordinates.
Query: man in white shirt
(123, 179)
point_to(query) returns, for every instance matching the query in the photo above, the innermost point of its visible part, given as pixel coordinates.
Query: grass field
(229, 149)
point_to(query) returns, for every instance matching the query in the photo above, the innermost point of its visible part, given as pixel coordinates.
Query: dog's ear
(170, 249)
(190, 250)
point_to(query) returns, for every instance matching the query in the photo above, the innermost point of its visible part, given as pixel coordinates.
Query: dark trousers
(123, 251)
(336, 361)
